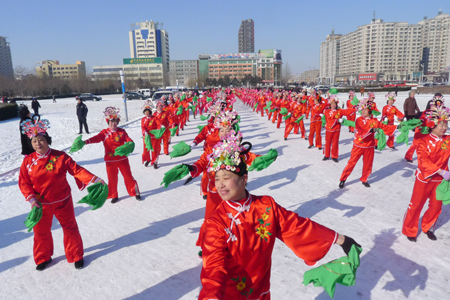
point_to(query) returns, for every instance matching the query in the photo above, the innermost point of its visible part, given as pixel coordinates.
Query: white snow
(146, 250)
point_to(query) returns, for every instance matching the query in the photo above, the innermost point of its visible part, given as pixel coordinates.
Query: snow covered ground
(146, 250)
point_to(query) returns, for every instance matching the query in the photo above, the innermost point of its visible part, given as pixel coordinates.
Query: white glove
(321, 115)
(145, 134)
(340, 120)
(33, 201)
(193, 145)
(98, 179)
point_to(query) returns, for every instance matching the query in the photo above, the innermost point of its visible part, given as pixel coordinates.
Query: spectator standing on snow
(25, 114)
(35, 106)
(396, 90)
(410, 106)
(82, 112)
(362, 91)
(54, 99)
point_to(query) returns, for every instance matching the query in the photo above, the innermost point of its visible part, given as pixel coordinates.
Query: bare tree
(285, 74)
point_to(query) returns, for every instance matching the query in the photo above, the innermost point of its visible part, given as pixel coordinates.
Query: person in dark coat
(410, 107)
(35, 106)
(396, 90)
(82, 111)
(437, 100)
(25, 114)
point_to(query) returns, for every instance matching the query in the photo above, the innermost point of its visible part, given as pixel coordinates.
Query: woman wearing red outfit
(351, 117)
(315, 126)
(333, 118)
(113, 137)
(364, 142)
(146, 123)
(389, 112)
(43, 178)
(240, 234)
(433, 152)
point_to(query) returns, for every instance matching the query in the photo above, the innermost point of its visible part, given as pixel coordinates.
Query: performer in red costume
(240, 235)
(43, 178)
(433, 152)
(296, 111)
(315, 126)
(364, 142)
(389, 112)
(351, 117)
(113, 137)
(147, 122)
(162, 120)
(333, 118)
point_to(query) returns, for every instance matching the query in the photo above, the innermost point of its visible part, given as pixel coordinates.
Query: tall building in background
(6, 67)
(183, 71)
(329, 58)
(147, 39)
(52, 68)
(246, 36)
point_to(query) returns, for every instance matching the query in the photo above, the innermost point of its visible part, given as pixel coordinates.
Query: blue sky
(97, 31)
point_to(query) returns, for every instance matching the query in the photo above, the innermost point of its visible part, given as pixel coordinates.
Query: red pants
(145, 153)
(409, 154)
(112, 169)
(421, 192)
(212, 202)
(352, 118)
(156, 144)
(275, 115)
(280, 118)
(43, 240)
(308, 110)
(314, 128)
(355, 155)
(332, 143)
(269, 115)
(204, 183)
(289, 126)
(166, 141)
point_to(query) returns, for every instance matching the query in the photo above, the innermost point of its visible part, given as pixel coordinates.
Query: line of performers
(239, 229)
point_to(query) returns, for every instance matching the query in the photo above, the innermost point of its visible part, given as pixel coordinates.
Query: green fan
(404, 128)
(173, 131)
(287, 117)
(158, 133)
(355, 101)
(180, 110)
(77, 145)
(348, 123)
(264, 161)
(256, 105)
(124, 150)
(381, 137)
(375, 113)
(443, 192)
(148, 143)
(283, 111)
(180, 149)
(200, 128)
(183, 97)
(333, 91)
(174, 174)
(97, 195)
(268, 104)
(204, 118)
(299, 119)
(324, 121)
(34, 217)
(209, 99)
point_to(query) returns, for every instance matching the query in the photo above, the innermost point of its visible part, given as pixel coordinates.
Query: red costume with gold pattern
(390, 111)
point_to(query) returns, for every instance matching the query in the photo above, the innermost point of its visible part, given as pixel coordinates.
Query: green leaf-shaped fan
(77, 145)
(376, 113)
(204, 118)
(256, 105)
(287, 117)
(264, 161)
(34, 217)
(173, 131)
(381, 137)
(299, 119)
(148, 143)
(180, 110)
(443, 192)
(355, 101)
(200, 128)
(333, 91)
(283, 111)
(158, 133)
(348, 123)
(324, 121)
(125, 150)
(97, 195)
(268, 104)
(174, 174)
(209, 99)
(180, 149)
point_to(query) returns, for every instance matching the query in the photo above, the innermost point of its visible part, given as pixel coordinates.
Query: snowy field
(146, 250)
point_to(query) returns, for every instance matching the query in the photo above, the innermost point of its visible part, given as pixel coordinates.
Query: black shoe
(138, 197)
(325, 158)
(376, 147)
(155, 166)
(366, 184)
(409, 160)
(146, 163)
(393, 148)
(310, 147)
(79, 264)
(285, 139)
(42, 266)
(341, 184)
(205, 197)
(412, 239)
(431, 235)
(306, 138)
(80, 133)
(319, 148)
(87, 132)
(114, 200)
(335, 160)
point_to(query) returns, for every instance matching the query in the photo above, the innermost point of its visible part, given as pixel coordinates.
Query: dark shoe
(412, 239)
(392, 148)
(376, 147)
(409, 160)
(319, 148)
(79, 264)
(431, 235)
(335, 160)
(285, 139)
(310, 147)
(42, 266)
(325, 158)
(80, 133)
(114, 200)
(341, 184)
(87, 132)
(155, 166)
(205, 197)
(366, 184)
(138, 197)
(146, 163)
(306, 137)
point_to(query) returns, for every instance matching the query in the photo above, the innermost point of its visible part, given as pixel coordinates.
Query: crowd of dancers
(237, 236)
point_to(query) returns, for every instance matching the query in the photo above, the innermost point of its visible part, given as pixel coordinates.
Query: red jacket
(209, 134)
(332, 117)
(390, 112)
(364, 134)
(237, 248)
(45, 176)
(111, 140)
(432, 154)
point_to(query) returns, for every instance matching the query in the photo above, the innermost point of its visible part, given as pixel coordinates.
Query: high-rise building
(147, 39)
(246, 36)
(6, 66)
(329, 58)
(183, 71)
(52, 68)
(435, 43)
